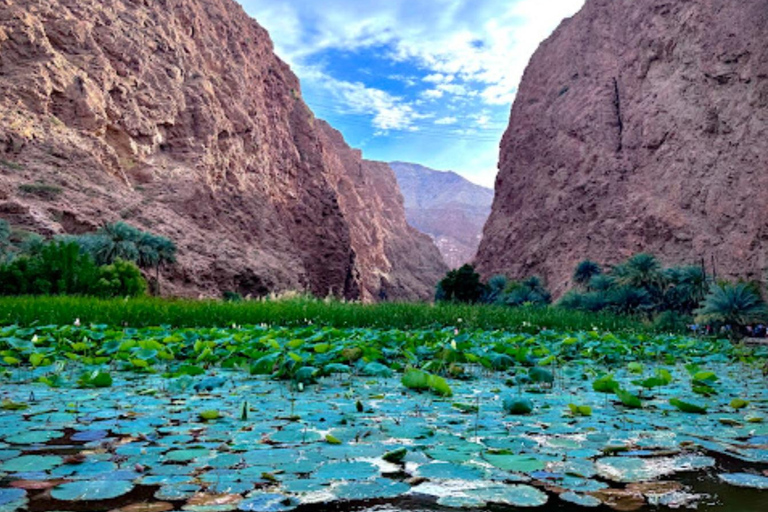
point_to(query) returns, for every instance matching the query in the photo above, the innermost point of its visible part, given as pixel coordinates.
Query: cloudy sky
(424, 81)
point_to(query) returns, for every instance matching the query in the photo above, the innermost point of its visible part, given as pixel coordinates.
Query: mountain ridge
(446, 206)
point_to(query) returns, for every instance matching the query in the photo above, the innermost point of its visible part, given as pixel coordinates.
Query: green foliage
(147, 311)
(530, 291)
(734, 305)
(5, 236)
(120, 279)
(123, 241)
(43, 191)
(585, 272)
(687, 406)
(60, 268)
(95, 379)
(495, 290)
(628, 399)
(462, 285)
(230, 296)
(640, 286)
(686, 288)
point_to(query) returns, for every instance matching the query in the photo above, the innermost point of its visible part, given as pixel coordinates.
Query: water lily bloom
(77, 322)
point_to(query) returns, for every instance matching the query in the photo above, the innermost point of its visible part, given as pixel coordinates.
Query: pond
(633, 431)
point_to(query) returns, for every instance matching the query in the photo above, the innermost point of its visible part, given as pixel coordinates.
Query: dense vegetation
(675, 298)
(101, 264)
(147, 311)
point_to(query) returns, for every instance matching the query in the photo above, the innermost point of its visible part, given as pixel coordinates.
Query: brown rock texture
(447, 207)
(177, 117)
(640, 125)
(399, 261)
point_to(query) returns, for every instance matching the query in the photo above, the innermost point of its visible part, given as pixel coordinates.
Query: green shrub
(5, 238)
(672, 321)
(686, 288)
(120, 279)
(230, 296)
(42, 190)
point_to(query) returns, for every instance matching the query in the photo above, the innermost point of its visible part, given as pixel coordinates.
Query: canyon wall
(640, 125)
(175, 116)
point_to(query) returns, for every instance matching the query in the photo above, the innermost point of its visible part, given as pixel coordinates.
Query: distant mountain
(447, 207)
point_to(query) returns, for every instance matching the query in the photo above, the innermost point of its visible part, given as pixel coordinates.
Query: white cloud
(433, 94)
(387, 112)
(488, 42)
(446, 120)
(438, 78)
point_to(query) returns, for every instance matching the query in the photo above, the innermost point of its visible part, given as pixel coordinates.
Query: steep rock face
(394, 260)
(446, 206)
(175, 116)
(640, 125)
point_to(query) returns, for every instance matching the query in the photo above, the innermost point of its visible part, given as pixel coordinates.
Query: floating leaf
(210, 415)
(738, 403)
(91, 490)
(745, 480)
(31, 463)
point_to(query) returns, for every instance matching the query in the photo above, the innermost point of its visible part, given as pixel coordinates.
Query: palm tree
(585, 271)
(640, 271)
(687, 288)
(115, 241)
(735, 305)
(155, 251)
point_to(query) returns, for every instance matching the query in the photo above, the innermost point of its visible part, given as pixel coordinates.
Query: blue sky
(424, 81)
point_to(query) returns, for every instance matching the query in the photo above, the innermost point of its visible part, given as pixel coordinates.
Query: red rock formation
(176, 116)
(640, 125)
(396, 261)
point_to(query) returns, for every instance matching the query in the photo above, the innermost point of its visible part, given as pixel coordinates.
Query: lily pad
(516, 495)
(31, 463)
(93, 490)
(745, 480)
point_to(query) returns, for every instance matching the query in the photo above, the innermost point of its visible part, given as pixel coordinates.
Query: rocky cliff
(399, 261)
(175, 116)
(446, 206)
(640, 125)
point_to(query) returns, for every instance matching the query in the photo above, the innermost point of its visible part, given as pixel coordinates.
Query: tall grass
(142, 312)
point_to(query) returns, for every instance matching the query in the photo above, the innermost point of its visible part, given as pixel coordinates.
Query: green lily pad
(514, 462)
(266, 502)
(31, 463)
(93, 490)
(516, 495)
(380, 488)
